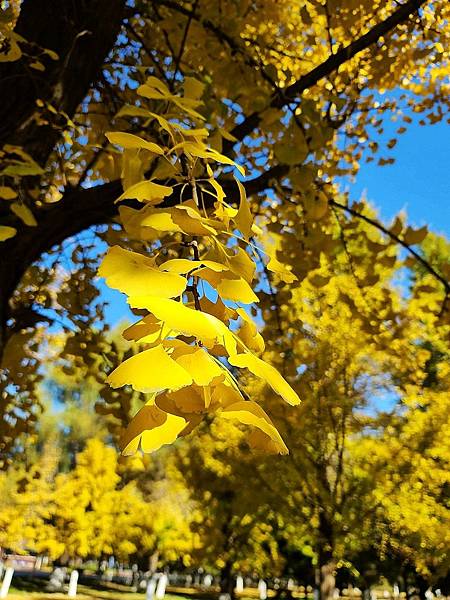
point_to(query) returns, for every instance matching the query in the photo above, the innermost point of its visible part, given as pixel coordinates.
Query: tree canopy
(205, 144)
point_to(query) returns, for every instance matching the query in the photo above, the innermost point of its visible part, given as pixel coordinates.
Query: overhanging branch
(283, 97)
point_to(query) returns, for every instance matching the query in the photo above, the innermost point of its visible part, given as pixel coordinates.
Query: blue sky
(418, 181)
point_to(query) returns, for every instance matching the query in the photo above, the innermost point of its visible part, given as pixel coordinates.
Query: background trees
(287, 101)
(354, 310)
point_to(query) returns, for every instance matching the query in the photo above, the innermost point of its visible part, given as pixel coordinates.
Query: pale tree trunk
(153, 562)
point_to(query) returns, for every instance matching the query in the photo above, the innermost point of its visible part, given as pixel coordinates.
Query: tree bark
(81, 34)
(326, 563)
(227, 580)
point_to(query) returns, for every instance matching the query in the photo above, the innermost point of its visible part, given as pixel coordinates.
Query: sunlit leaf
(135, 274)
(150, 371)
(270, 375)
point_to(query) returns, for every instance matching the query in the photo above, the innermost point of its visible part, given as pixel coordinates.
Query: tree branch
(425, 264)
(333, 62)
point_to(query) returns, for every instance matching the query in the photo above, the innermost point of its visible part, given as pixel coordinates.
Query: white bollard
(161, 587)
(239, 584)
(151, 587)
(262, 589)
(73, 584)
(6, 582)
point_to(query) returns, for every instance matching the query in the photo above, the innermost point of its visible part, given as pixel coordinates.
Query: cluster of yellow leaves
(194, 322)
(88, 511)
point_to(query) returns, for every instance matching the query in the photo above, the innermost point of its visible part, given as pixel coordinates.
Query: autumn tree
(234, 522)
(280, 84)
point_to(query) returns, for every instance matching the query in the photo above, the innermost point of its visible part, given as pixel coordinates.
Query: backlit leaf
(150, 371)
(135, 274)
(270, 375)
(146, 191)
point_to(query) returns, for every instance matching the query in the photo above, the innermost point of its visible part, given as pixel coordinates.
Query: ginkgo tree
(275, 87)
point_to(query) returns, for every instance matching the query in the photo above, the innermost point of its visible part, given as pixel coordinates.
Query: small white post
(73, 584)
(239, 584)
(151, 587)
(262, 589)
(161, 587)
(6, 582)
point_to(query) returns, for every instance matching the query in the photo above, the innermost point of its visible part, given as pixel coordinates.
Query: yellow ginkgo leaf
(175, 219)
(184, 265)
(128, 140)
(281, 270)
(243, 219)
(259, 441)
(193, 88)
(150, 371)
(188, 402)
(198, 363)
(224, 394)
(166, 433)
(202, 151)
(147, 326)
(135, 274)
(6, 232)
(270, 375)
(217, 308)
(7, 193)
(241, 264)
(146, 191)
(187, 321)
(153, 428)
(250, 413)
(24, 213)
(229, 286)
(248, 332)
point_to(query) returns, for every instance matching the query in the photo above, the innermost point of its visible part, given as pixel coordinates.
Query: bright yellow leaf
(243, 219)
(136, 274)
(228, 286)
(198, 363)
(270, 375)
(153, 428)
(150, 371)
(187, 321)
(184, 265)
(250, 413)
(128, 140)
(146, 191)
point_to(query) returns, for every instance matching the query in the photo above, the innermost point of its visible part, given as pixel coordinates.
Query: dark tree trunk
(326, 564)
(82, 34)
(227, 580)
